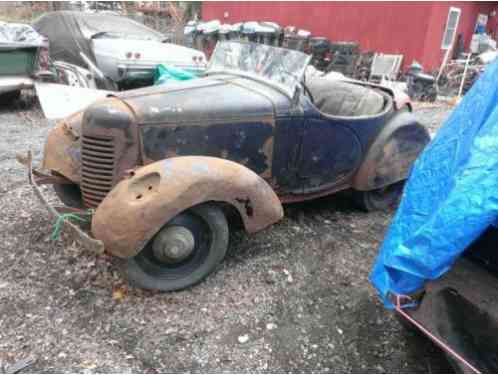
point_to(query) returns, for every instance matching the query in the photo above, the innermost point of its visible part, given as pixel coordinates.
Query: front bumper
(35, 179)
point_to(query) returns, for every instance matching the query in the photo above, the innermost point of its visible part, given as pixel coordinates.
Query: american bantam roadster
(162, 167)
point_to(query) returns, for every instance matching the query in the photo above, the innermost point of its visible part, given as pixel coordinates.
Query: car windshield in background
(282, 67)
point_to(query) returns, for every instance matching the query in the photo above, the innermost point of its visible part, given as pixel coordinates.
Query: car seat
(345, 99)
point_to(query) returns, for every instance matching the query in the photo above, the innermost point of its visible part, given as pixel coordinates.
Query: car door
(330, 153)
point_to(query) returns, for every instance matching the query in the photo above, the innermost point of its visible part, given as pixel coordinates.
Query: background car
(23, 54)
(124, 51)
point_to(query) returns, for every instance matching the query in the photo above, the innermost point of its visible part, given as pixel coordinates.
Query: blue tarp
(450, 198)
(165, 73)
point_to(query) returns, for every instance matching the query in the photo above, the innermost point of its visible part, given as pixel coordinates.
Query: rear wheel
(186, 250)
(380, 199)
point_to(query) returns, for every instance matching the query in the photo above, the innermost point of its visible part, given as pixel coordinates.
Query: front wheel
(186, 250)
(380, 199)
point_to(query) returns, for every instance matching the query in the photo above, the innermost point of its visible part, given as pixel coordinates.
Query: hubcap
(173, 244)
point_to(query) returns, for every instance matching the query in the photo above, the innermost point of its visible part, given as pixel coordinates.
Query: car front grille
(97, 168)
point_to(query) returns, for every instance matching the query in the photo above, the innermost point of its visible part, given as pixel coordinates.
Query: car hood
(205, 100)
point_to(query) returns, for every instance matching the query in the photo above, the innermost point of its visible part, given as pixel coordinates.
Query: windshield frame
(286, 90)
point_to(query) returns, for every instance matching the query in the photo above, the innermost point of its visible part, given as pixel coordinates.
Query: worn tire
(379, 199)
(9, 97)
(209, 227)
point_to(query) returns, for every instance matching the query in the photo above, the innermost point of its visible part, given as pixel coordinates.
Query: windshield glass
(282, 67)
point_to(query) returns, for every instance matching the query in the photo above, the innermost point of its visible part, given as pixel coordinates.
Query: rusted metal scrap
(76, 232)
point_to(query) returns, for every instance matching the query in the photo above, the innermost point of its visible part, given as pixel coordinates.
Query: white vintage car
(121, 52)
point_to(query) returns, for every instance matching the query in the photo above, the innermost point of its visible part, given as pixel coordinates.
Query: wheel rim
(173, 244)
(180, 248)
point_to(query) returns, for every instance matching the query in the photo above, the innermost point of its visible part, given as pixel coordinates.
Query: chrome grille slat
(100, 167)
(97, 190)
(97, 168)
(96, 183)
(102, 140)
(96, 148)
(103, 155)
(94, 194)
(99, 163)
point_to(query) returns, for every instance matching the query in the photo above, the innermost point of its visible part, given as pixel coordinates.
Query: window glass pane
(451, 27)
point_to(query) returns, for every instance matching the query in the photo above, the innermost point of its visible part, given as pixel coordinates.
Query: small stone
(243, 339)
(271, 277)
(271, 326)
(340, 331)
(290, 279)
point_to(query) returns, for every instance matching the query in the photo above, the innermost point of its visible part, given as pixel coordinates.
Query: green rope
(56, 233)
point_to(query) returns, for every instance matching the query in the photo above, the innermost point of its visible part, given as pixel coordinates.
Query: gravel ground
(294, 297)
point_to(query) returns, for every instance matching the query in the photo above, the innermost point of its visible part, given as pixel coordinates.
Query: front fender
(62, 151)
(137, 207)
(392, 154)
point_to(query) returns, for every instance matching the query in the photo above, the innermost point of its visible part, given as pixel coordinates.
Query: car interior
(345, 99)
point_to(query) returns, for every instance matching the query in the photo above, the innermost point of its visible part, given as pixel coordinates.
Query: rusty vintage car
(160, 166)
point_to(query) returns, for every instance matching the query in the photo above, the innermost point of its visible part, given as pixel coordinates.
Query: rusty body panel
(392, 153)
(140, 205)
(62, 152)
(232, 142)
(109, 147)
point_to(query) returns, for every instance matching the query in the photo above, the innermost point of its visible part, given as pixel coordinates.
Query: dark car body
(293, 146)
(141, 158)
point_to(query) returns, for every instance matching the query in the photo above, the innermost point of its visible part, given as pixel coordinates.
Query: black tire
(379, 199)
(9, 97)
(69, 194)
(209, 228)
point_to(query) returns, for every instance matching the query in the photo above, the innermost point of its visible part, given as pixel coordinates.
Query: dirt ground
(295, 297)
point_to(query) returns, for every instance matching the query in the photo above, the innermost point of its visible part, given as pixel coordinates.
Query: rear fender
(392, 154)
(138, 206)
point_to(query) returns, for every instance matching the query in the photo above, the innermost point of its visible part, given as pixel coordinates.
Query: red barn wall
(432, 52)
(414, 29)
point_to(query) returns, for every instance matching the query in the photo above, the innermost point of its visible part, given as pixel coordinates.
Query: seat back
(345, 99)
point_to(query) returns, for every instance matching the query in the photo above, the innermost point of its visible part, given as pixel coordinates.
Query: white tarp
(19, 35)
(59, 101)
